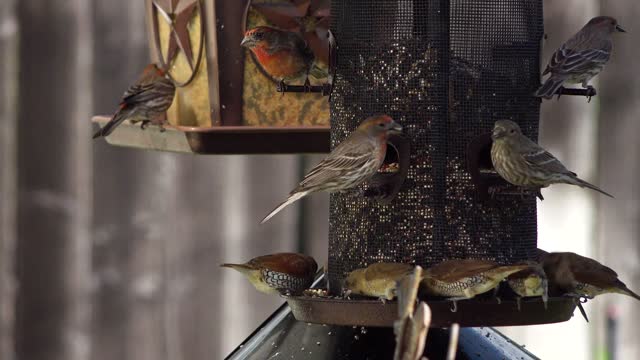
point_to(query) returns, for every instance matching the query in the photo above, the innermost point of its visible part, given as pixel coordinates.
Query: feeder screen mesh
(446, 71)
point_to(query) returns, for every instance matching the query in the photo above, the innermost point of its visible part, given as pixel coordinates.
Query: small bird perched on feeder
(284, 55)
(582, 57)
(524, 163)
(530, 282)
(581, 277)
(464, 279)
(377, 280)
(146, 100)
(281, 273)
(352, 162)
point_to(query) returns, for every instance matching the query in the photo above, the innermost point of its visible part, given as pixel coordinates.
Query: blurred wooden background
(110, 253)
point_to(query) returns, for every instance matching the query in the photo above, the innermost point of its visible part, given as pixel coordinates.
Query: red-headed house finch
(145, 100)
(580, 276)
(524, 163)
(377, 280)
(281, 273)
(284, 55)
(351, 163)
(465, 278)
(582, 57)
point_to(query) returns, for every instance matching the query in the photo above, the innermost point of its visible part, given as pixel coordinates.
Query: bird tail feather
(243, 268)
(290, 200)
(625, 291)
(116, 120)
(549, 87)
(582, 183)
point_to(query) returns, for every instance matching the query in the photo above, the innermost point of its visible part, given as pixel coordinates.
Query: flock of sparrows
(284, 55)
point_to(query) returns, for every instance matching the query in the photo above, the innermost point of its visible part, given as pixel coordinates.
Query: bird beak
(620, 29)
(395, 128)
(247, 42)
(496, 133)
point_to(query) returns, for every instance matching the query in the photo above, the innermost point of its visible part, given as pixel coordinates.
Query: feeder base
(470, 313)
(220, 139)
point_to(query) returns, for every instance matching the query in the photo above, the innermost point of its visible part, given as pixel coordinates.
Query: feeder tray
(220, 139)
(470, 313)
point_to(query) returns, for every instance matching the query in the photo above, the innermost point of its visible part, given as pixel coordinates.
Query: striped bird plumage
(581, 57)
(522, 162)
(351, 163)
(145, 100)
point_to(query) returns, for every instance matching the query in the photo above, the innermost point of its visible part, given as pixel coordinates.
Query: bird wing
(343, 159)
(292, 41)
(537, 157)
(140, 93)
(577, 59)
(453, 270)
(290, 263)
(387, 271)
(590, 271)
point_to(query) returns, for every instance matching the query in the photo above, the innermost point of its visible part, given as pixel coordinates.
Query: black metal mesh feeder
(446, 71)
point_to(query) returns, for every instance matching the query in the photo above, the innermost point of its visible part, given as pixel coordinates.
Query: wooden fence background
(111, 253)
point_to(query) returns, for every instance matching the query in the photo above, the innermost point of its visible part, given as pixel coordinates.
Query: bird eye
(258, 35)
(512, 131)
(381, 125)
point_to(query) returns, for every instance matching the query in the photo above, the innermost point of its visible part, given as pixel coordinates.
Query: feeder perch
(224, 103)
(386, 184)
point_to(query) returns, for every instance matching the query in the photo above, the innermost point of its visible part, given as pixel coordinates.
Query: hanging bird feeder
(446, 71)
(225, 103)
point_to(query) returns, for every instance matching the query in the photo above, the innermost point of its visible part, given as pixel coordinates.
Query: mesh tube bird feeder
(446, 70)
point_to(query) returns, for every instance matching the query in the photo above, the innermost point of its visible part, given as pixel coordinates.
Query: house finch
(464, 279)
(530, 282)
(582, 57)
(281, 273)
(524, 163)
(377, 280)
(352, 162)
(579, 276)
(282, 54)
(144, 101)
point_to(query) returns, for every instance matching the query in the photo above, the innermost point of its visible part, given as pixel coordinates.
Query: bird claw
(307, 85)
(518, 303)
(282, 87)
(454, 307)
(590, 90)
(384, 301)
(346, 294)
(499, 300)
(143, 124)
